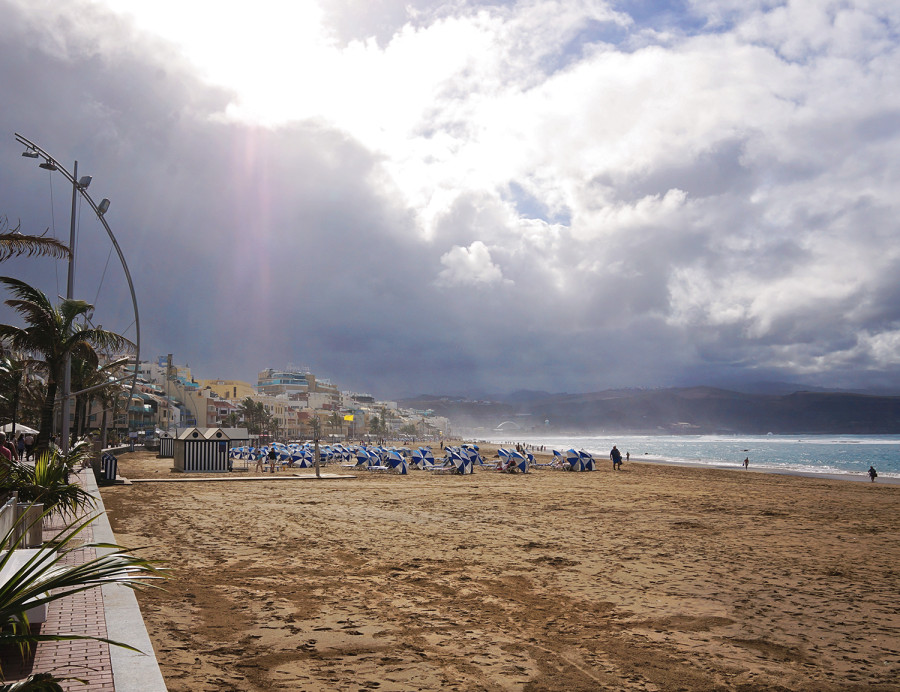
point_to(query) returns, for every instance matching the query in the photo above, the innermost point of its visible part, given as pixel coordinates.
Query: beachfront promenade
(110, 612)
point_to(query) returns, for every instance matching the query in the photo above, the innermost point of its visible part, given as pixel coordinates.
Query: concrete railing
(8, 515)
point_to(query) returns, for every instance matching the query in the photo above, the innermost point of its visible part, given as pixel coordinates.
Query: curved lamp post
(79, 185)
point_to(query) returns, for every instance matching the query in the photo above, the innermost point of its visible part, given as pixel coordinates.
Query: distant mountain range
(689, 410)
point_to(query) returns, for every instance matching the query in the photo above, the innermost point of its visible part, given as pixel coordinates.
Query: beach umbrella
(462, 463)
(587, 460)
(423, 457)
(20, 428)
(284, 454)
(518, 462)
(397, 462)
(471, 452)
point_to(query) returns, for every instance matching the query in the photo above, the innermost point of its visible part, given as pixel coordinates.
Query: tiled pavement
(109, 612)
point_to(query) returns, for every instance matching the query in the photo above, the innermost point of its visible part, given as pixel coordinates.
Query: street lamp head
(30, 153)
(48, 166)
(103, 206)
(84, 181)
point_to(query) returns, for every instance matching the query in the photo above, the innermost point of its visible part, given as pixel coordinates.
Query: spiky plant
(47, 482)
(45, 578)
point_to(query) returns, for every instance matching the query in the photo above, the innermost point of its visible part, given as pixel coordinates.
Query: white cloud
(469, 266)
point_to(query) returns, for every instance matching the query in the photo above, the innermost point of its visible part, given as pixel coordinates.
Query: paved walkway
(110, 612)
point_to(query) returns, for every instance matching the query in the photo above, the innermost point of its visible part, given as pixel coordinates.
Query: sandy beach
(652, 578)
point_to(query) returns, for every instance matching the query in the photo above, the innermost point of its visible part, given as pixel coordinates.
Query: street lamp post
(79, 186)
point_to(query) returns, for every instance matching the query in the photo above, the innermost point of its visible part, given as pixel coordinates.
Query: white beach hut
(202, 450)
(166, 445)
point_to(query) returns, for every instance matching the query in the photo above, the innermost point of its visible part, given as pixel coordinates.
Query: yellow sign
(350, 417)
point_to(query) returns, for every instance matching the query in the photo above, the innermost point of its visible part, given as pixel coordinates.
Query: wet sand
(653, 578)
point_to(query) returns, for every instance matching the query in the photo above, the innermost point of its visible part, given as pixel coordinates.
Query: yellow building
(235, 390)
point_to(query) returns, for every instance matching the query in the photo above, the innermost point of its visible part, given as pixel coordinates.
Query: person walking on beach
(873, 474)
(260, 466)
(746, 463)
(616, 457)
(272, 457)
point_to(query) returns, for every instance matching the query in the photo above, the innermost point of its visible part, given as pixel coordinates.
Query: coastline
(882, 479)
(781, 453)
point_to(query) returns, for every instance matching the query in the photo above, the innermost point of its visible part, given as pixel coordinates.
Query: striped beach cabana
(166, 445)
(202, 450)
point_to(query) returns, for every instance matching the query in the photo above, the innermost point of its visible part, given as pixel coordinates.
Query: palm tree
(335, 421)
(53, 334)
(15, 244)
(255, 416)
(18, 392)
(87, 374)
(110, 397)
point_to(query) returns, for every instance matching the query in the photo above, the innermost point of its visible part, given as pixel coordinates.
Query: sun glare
(275, 56)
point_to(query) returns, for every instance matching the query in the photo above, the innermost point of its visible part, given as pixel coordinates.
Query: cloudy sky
(413, 196)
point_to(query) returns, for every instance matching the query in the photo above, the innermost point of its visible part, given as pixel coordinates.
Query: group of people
(22, 448)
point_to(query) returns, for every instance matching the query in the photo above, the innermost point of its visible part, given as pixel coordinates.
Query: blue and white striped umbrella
(519, 462)
(423, 457)
(397, 462)
(587, 461)
(471, 451)
(462, 463)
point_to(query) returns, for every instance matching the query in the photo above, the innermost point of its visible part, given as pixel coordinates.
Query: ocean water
(825, 454)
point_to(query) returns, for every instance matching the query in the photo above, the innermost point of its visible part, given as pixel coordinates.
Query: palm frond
(26, 292)
(45, 578)
(39, 682)
(15, 244)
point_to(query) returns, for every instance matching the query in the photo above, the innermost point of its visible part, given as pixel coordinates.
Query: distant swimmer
(873, 474)
(746, 462)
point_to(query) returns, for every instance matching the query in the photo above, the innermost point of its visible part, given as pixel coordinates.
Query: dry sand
(652, 578)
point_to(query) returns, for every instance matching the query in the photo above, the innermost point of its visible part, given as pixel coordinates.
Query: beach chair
(560, 461)
(375, 460)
